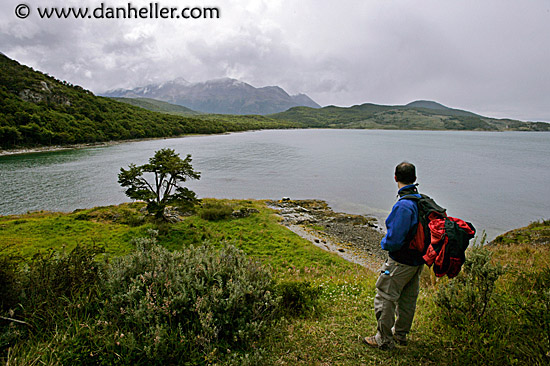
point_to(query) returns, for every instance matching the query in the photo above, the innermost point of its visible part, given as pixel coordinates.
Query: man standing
(399, 281)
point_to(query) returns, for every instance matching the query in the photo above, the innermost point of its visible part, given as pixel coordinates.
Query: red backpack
(441, 239)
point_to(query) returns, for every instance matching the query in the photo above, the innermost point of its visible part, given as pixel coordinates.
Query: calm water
(495, 180)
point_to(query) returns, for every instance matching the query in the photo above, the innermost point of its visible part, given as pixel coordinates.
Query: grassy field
(512, 328)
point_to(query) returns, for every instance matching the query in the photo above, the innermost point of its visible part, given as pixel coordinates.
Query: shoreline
(355, 238)
(53, 148)
(43, 149)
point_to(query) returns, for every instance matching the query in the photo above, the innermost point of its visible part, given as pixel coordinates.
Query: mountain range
(418, 115)
(219, 96)
(38, 110)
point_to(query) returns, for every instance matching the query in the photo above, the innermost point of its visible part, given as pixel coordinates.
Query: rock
(244, 212)
(358, 233)
(45, 87)
(172, 214)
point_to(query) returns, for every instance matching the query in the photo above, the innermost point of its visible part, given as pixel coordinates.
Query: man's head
(405, 173)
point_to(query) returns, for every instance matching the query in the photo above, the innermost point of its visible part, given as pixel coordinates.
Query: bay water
(497, 181)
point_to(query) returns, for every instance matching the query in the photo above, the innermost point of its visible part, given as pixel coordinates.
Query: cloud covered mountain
(224, 96)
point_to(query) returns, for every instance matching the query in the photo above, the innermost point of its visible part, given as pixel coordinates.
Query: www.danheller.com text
(153, 10)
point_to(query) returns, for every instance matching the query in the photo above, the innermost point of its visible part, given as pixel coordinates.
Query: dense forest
(157, 106)
(38, 110)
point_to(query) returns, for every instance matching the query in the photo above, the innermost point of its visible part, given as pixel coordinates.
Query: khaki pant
(396, 295)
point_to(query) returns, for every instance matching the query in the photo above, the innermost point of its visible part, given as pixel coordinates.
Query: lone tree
(165, 171)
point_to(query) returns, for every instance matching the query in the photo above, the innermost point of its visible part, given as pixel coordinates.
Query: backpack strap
(419, 237)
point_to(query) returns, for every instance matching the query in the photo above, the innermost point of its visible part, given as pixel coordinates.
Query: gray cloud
(488, 56)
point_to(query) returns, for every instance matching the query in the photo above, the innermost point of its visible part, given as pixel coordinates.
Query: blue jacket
(403, 218)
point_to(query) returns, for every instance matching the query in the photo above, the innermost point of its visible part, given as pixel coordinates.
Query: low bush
(9, 282)
(298, 297)
(530, 303)
(55, 283)
(213, 211)
(153, 306)
(470, 296)
(10, 287)
(130, 214)
(484, 318)
(175, 307)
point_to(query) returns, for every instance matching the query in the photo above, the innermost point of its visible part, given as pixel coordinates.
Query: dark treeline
(38, 110)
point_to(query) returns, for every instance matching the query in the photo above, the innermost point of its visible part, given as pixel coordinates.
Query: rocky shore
(42, 149)
(50, 148)
(353, 237)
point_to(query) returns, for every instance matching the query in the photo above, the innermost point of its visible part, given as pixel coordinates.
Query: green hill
(419, 115)
(157, 106)
(38, 110)
(428, 105)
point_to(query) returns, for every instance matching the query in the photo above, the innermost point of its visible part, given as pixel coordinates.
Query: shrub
(9, 292)
(532, 304)
(53, 281)
(490, 327)
(215, 211)
(468, 297)
(9, 282)
(175, 307)
(297, 297)
(126, 214)
(51, 293)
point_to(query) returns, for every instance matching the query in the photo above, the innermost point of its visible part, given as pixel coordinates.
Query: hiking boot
(371, 342)
(401, 342)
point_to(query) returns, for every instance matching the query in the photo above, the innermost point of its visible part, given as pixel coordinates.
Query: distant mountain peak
(224, 80)
(439, 108)
(430, 104)
(223, 95)
(180, 81)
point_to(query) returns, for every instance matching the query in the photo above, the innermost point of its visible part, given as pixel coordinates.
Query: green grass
(113, 227)
(259, 235)
(26, 235)
(512, 332)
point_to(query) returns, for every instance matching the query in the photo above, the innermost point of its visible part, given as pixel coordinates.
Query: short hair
(405, 173)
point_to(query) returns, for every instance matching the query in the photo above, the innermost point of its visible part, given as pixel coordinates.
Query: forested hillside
(157, 106)
(38, 110)
(414, 116)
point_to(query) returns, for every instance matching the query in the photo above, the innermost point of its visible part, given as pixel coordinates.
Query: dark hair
(405, 172)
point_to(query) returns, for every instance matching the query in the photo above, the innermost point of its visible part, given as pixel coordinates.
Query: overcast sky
(491, 57)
